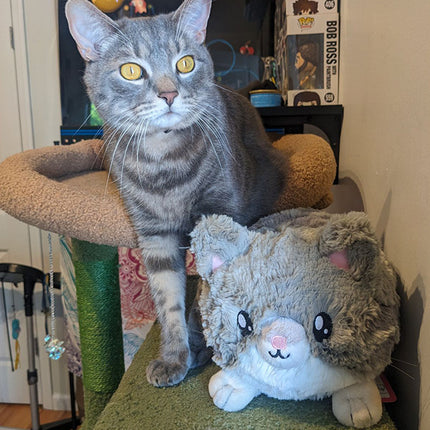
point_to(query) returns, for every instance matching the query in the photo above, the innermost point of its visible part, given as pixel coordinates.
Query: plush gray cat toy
(301, 306)
(179, 146)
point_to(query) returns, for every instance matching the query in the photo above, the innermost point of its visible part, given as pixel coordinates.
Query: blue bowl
(265, 98)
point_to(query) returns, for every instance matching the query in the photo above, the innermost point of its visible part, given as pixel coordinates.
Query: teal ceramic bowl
(265, 98)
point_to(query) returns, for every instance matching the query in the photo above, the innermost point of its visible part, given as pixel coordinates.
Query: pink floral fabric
(137, 307)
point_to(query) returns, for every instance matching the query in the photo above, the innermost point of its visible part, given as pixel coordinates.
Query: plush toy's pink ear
(339, 259)
(217, 240)
(350, 243)
(217, 262)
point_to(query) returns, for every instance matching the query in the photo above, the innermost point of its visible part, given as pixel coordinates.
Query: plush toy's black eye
(322, 326)
(244, 323)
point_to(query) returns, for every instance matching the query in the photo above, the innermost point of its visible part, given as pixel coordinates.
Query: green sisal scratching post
(99, 314)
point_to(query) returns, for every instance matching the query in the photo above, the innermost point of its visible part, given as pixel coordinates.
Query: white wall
(385, 150)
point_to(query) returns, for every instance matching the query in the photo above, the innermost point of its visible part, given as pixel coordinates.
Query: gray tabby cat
(179, 146)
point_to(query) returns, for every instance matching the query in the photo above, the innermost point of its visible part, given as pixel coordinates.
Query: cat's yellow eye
(131, 71)
(185, 64)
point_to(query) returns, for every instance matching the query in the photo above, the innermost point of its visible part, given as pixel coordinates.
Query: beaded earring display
(53, 346)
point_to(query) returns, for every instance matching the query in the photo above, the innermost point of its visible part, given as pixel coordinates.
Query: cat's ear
(89, 27)
(192, 18)
(216, 240)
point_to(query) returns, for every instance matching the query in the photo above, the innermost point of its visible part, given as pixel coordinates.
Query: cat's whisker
(405, 362)
(217, 131)
(402, 371)
(141, 129)
(118, 143)
(212, 131)
(107, 128)
(140, 136)
(136, 134)
(140, 141)
(208, 138)
(204, 127)
(211, 122)
(221, 87)
(124, 157)
(106, 143)
(149, 111)
(84, 122)
(142, 107)
(110, 125)
(120, 33)
(207, 114)
(80, 128)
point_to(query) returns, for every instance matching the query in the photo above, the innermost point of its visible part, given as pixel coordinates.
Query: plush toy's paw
(161, 373)
(358, 405)
(226, 395)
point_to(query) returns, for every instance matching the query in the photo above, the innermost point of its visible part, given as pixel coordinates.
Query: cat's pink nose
(169, 96)
(279, 342)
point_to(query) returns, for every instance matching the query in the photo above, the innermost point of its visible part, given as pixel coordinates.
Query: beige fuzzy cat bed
(64, 189)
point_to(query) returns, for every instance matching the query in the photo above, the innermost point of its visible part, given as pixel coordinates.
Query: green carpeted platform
(137, 405)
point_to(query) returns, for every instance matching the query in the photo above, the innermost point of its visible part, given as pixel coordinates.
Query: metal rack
(29, 276)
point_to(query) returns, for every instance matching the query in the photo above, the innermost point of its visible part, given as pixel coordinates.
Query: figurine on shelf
(306, 66)
(271, 71)
(307, 98)
(305, 7)
(136, 8)
(247, 49)
(140, 8)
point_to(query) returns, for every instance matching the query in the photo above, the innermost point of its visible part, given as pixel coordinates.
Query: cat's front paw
(227, 395)
(161, 373)
(359, 405)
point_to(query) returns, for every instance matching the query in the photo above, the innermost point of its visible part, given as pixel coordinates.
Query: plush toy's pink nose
(279, 342)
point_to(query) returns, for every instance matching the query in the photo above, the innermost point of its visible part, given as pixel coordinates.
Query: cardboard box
(311, 60)
(286, 8)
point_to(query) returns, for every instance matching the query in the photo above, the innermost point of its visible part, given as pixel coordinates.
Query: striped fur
(205, 153)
